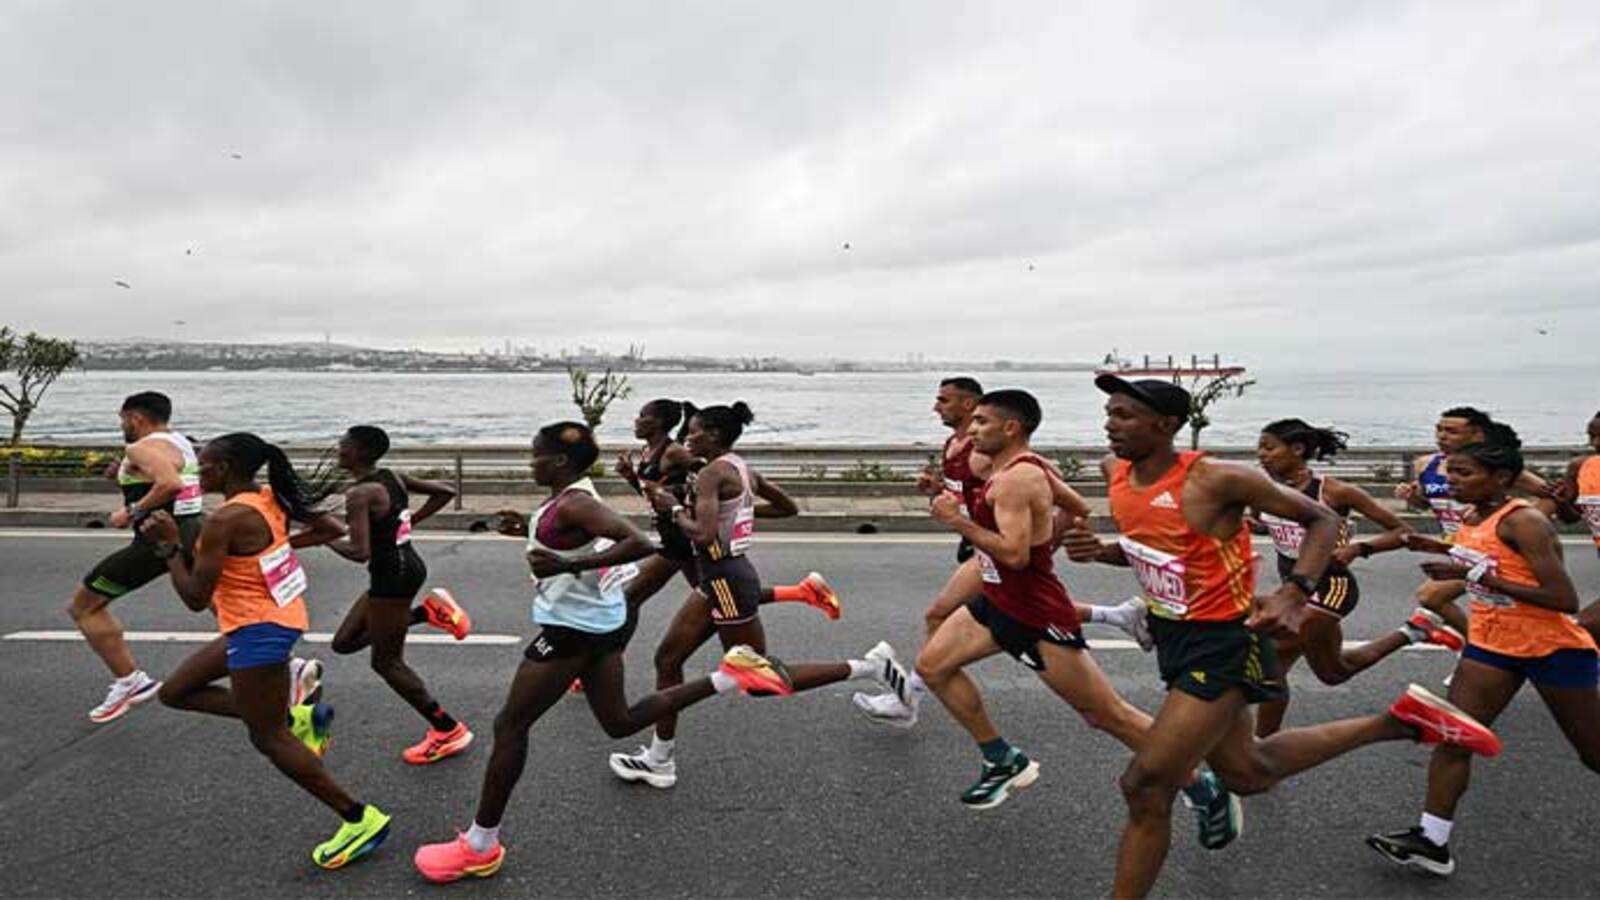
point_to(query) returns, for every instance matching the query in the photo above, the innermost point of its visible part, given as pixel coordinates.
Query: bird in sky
(236, 156)
(122, 284)
(847, 245)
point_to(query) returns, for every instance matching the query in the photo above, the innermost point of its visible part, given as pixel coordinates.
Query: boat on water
(1169, 366)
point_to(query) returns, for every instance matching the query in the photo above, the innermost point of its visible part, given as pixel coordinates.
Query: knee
(343, 646)
(669, 660)
(509, 727)
(1103, 717)
(933, 618)
(79, 609)
(1146, 791)
(932, 672)
(170, 695)
(263, 739)
(617, 727)
(386, 666)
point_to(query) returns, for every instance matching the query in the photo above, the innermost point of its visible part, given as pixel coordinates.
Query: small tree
(592, 400)
(1206, 391)
(37, 362)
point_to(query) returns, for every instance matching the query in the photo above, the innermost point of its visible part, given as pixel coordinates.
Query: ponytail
(727, 421)
(688, 411)
(246, 454)
(1319, 443)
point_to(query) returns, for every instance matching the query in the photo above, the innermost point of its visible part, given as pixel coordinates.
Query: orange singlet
(1589, 495)
(1499, 623)
(264, 587)
(1186, 575)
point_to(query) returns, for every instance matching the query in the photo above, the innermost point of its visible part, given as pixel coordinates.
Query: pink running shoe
(453, 861)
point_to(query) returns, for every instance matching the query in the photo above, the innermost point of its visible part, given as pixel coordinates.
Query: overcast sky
(1311, 182)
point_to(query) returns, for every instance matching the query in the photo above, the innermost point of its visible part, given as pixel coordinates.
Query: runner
(581, 553)
(245, 571)
(961, 474)
(1522, 603)
(1579, 497)
(1181, 518)
(720, 520)
(158, 472)
(1023, 610)
(1286, 449)
(377, 511)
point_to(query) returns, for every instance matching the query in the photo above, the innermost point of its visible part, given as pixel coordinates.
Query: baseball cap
(1164, 397)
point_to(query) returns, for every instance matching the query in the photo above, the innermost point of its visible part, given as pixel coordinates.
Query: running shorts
(561, 642)
(1337, 592)
(261, 644)
(1019, 640)
(964, 550)
(136, 564)
(398, 574)
(1206, 659)
(732, 587)
(1573, 667)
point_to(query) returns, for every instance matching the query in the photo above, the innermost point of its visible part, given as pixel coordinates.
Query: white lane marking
(323, 637)
(201, 637)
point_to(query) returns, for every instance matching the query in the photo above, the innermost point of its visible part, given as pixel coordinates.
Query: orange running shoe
(757, 675)
(1441, 722)
(822, 595)
(437, 745)
(1430, 625)
(445, 614)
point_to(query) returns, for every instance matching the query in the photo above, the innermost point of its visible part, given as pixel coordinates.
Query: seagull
(847, 245)
(1542, 331)
(1030, 267)
(236, 156)
(179, 322)
(122, 284)
(189, 252)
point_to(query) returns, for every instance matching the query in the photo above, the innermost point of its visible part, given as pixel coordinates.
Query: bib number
(1161, 576)
(1590, 506)
(402, 534)
(1449, 514)
(1287, 535)
(743, 531)
(286, 580)
(1479, 594)
(190, 497)
(986, 568)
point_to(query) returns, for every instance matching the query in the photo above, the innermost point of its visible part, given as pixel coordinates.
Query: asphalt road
(795, 797)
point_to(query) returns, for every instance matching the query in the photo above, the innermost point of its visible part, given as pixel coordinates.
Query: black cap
(1164, 397)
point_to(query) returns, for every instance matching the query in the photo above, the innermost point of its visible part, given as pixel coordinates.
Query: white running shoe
(640, 767)
(893, 675)
(125, 694)
(305, 681)
(1133, 616)
(885, 709)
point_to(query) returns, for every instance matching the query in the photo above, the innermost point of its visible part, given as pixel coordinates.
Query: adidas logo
(1164, 500)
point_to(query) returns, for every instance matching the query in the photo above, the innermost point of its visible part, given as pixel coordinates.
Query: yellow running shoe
(756, 675)
(312, 723)
(353, 840)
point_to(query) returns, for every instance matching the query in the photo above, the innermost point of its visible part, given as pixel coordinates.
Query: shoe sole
(1236, 813)
(1433, 701)
(367, 846)
(128, 703)
(1419, 864)
(445, 752)
(483, 871)
(310, 673)
(451, 603)
(832, 610)
(1023, 779)
(634, 776)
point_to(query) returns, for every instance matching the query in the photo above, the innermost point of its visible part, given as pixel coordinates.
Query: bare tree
(1206, 390)
(594, 399)
(36, 361)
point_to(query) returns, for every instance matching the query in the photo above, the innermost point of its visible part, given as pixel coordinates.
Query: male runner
(159, 472)
(1579, 498)
(1181, 518)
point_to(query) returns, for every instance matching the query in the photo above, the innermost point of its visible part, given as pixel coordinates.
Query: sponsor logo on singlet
(1164, 500)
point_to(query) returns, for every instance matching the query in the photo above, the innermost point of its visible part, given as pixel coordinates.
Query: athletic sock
(996, 751)
(722, 682)
(660, 751)
(918, 686)
(1097, 615)
(354, 813)
(482, 839)
(418, 615)
(1414, 635)
(863, 668)
(790, 593)
(438, 719)
(1436, 829)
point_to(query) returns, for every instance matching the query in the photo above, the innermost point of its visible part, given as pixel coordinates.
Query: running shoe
(997, 781)
(1428, 627)
(455, 860)
(312, 723)
(576, 687)
(445, 614)
(1412, 850)
(125, 694)
(823, 596)
(885, 709)
(893, 675)
(305, 681)
(1133, 616)
(353, 840)
(757, 675)
(437, 745)
(1217, 810)
(1441, 722)
(640, 766)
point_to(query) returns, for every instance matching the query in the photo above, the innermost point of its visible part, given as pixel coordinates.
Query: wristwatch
(1305, 583)
(1364, 549)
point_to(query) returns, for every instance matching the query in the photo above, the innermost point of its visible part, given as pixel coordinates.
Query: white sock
(917, 685)
(482, 839)
(722, 682)
(861, 668)
(1436, 829)
(660, 751)
(1097, 615)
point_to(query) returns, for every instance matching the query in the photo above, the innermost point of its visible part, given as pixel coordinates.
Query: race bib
(286, 580)
(1161, 576)
(1287, 535)
(744, 529)
(613, 578)
(1449, 513)
(1473, 559)
(190, 497)
(1590, 506)
(402, 534)
(986, 568)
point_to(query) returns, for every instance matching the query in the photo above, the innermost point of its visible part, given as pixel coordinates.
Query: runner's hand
(1445, 571)
(160, 527)
(120, 517)
(946, 508)
(511, 523)
(1061, 522)
(660, 500)
(1562, 491)
(545, 564)
(1421, 543)
(1080, 543)
(1346, 555)
(1279, 614)
(1406, 490)
(930, 482)
(625, 467)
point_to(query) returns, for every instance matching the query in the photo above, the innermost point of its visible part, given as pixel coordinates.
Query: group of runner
(1184, 524)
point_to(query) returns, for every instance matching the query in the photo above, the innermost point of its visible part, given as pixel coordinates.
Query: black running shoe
(1411, 849)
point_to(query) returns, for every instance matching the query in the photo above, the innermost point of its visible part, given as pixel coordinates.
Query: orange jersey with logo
(1500, 623)
(1185, 574)
(264, 587)
(1589, 495)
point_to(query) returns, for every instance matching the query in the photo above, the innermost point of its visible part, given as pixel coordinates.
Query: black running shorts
(136, 564)
(732, 587)
(1337, 593)
(1022, 641)
(1206, 659)
(397, 574)
(559, 642)
(964, 550)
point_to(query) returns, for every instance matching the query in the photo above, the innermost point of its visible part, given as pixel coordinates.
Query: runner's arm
(1080, 543)
(1540, 492)
(778, 506)
(356, 545)
(593, 517)
(1566, 492)
(1241, 486)
(1347, 496)
(194, 580)
(1062, 496)
(1011, 544)
(1540, 545)
(699, 520)
(437, 492)
(166, 479)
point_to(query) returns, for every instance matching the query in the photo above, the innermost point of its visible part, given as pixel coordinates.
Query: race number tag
(1590, 506)
(613, 578)
(1449, 513)
(1473, 559)
(190, 497)
(285, 579)
(402, 534)
(986, 568)
(1161, 575)
(744, 529)
(1287, 534)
